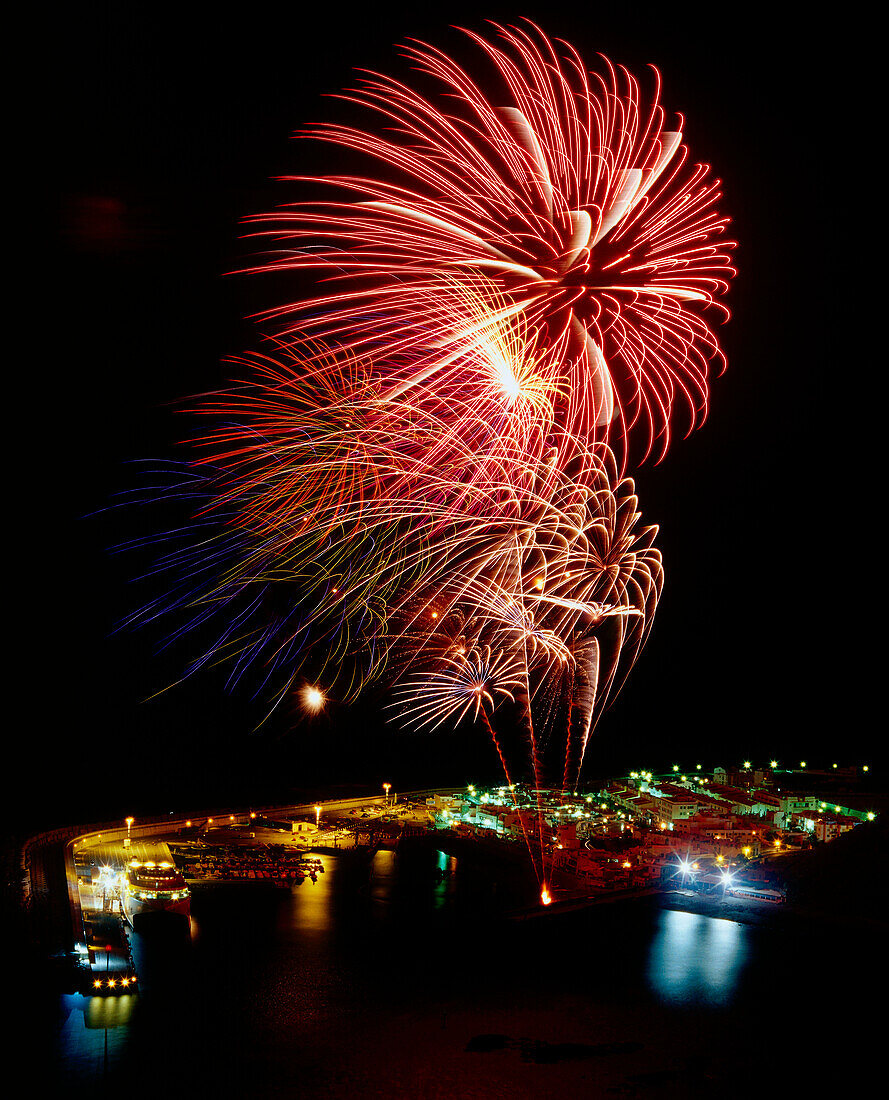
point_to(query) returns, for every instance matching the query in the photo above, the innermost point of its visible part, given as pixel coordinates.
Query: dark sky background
(161, 126)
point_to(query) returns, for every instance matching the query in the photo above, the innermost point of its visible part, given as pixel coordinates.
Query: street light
(387, 787)
(317, 816)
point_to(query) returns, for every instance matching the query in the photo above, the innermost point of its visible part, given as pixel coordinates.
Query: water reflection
(446, 881)
(102, 1012)
(312, 898)
(383, 877)
(92, 1036)
(695, 959)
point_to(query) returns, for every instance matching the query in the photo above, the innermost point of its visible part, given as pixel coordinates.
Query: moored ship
(152, 886)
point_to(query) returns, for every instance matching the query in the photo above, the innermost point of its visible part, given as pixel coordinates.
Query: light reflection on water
(291, 988)
(383, 871)
(695, 959)
(311, 901)
(93, 1033)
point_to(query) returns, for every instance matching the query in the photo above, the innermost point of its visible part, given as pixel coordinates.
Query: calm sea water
(401, 978)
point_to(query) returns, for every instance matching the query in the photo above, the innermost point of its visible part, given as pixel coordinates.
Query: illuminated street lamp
(387, 787)
(317, 816)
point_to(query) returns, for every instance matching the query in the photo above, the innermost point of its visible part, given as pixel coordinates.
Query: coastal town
(722, 831)
(731, 840)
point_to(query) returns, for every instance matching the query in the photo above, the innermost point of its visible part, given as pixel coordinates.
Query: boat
(154, 887)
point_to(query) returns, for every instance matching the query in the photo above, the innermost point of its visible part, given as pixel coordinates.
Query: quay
(75, 876)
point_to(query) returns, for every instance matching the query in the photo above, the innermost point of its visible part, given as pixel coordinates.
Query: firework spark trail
(539, 871)
(564, 188)
(420, 480)
(374, 521)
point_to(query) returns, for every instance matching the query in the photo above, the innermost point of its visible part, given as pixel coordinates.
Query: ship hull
(136, 909)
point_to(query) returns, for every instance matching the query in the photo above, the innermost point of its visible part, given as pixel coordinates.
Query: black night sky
(161, 127)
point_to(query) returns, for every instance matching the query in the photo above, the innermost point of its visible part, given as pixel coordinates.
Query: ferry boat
(151, 887)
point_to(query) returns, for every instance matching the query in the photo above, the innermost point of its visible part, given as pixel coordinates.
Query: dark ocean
(401, 976)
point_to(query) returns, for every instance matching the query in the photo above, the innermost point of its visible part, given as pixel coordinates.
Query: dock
(100, 869)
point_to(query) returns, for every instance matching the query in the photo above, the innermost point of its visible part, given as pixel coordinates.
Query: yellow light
(313, 698)
(538, 584)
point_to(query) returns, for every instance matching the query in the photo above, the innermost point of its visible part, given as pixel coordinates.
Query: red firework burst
(567, 190)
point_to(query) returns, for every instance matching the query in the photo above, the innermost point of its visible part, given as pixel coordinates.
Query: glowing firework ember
(569, 190)
(313, 699)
